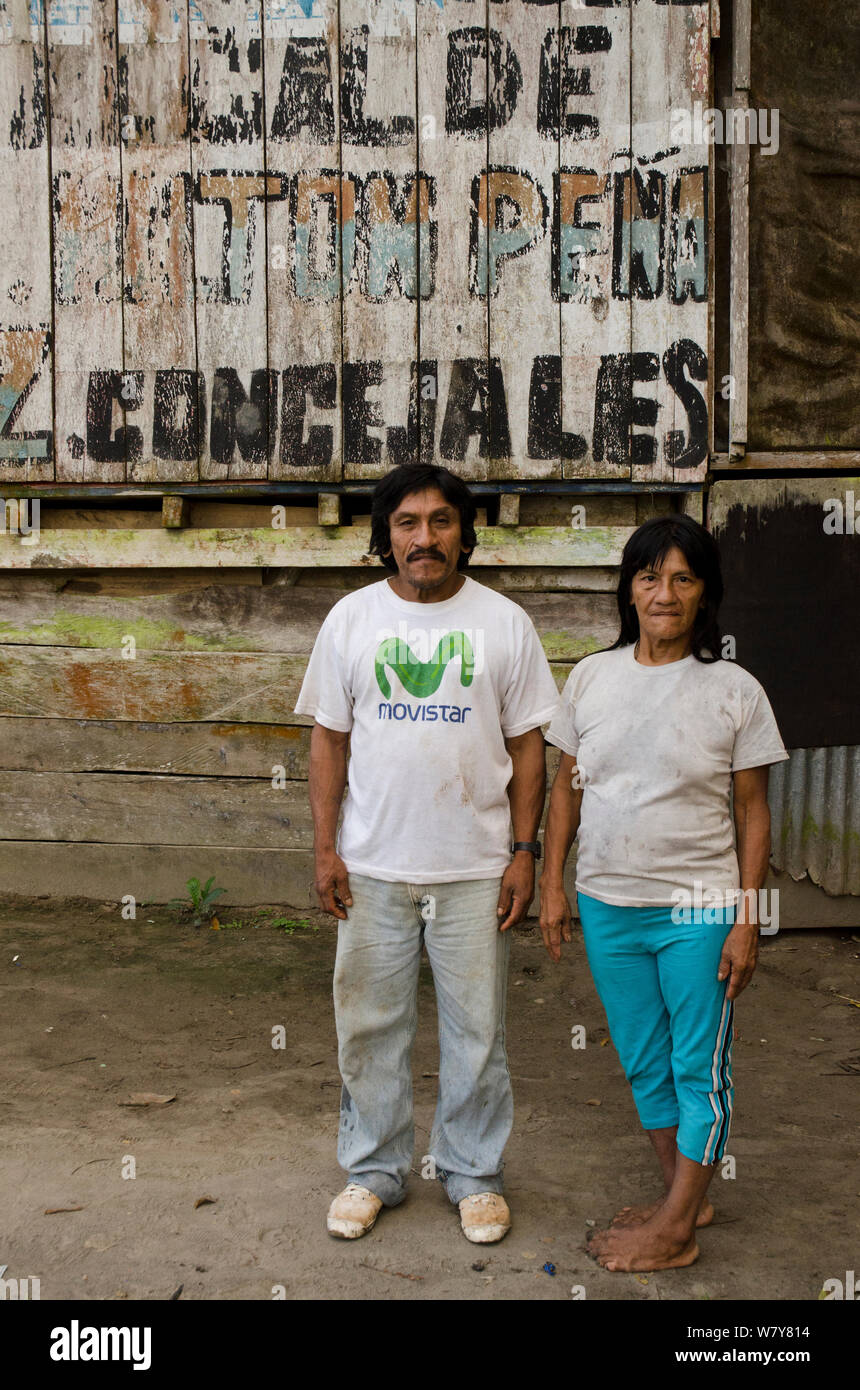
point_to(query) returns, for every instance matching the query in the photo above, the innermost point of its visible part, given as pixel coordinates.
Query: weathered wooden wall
(129, 766)
(286, 244)
(315, 238)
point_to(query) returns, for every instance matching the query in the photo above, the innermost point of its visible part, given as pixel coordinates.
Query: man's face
(425, 539)
(667, 597)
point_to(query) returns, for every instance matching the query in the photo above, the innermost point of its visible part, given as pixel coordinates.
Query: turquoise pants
(668, 1015)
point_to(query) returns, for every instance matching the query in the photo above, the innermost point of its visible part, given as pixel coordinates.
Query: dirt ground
(96, 1009)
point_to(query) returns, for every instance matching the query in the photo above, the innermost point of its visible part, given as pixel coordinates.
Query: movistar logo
(423, 678)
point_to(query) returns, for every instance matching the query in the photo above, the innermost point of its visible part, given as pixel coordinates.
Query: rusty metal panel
(815, 809)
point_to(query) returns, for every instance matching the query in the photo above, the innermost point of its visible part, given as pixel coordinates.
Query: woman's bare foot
(648, 1246)
(634, 1216)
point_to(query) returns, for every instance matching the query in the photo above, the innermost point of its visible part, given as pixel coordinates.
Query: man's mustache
(424, 555)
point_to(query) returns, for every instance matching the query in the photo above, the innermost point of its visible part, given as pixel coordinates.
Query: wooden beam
(813, 460)
(304, 546)
(328, 509)
(739, 173)
(192, 750)
(509, 509)
(274, 619)
(175, 511)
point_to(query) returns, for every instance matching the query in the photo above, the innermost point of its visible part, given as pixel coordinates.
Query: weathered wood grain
(524, 318)
(156, 873)
(192, 750)
(157, 687)
(669, 271)
(26, 360)
(269, 619)
(310, 235)
(593, 258)
(382, 290)
(457, 380)
(86, 206)
(159, 331)
(154, 809)
(229, 191)
(299, 546)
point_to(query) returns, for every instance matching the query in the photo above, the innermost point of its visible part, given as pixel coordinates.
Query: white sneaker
(353, 1212)
(484, 1217)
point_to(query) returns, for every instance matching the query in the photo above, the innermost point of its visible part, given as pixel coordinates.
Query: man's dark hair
(419, 477)
(646, 549)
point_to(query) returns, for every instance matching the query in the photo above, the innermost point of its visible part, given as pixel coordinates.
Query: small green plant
(199, 902)
(289, 925)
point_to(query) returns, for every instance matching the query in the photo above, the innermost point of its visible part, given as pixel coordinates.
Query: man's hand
(332, 884)
(555, 921)
(517, 890)
(739, 957)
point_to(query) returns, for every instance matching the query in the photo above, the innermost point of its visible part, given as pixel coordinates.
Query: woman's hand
(739, 957)
(555, 922)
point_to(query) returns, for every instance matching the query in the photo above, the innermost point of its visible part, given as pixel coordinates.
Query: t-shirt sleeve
(531, 698)
(325, 692)
(757, 740)
(561, 731)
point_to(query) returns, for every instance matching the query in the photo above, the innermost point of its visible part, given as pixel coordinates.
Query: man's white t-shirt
(656, 747)
(428, 693)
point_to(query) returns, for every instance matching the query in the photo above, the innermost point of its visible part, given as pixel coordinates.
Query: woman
(655, 734)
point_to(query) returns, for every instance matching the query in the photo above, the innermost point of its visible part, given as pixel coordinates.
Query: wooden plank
(774, 494)
(158, 873)
(159, 335)
(229, 189)
(87, 241)
(457, 381)
(175, 511)
(26, 395)
(739, 219)
(300, 546)
(741, 44)
(828, 459)
(157, 687)
(524, 318)
(191, 750)
(328, 509)
(739, 222)
(173, 810)
(382, 293)
(262, 620)
(591, 254)
(309, 235)
(214, 619)
(670, 253)
(507, 580)
(124, 583)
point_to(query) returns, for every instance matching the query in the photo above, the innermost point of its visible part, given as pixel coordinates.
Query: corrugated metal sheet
(815, 809)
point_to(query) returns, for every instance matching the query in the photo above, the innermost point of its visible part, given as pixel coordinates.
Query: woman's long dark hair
(646, 549)
(419, 477)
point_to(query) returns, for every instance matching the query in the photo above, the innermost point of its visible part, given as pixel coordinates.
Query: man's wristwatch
(532, 846)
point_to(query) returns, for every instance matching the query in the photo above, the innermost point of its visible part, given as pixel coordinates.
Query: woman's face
(667, 598)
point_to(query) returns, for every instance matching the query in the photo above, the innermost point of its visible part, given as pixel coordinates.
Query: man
(440, 685)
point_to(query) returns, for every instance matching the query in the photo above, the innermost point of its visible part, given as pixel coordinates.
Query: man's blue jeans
(375, 1000)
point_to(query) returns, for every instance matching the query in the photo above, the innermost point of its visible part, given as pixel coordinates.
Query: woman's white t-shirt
(428, 693)
(656, 747)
